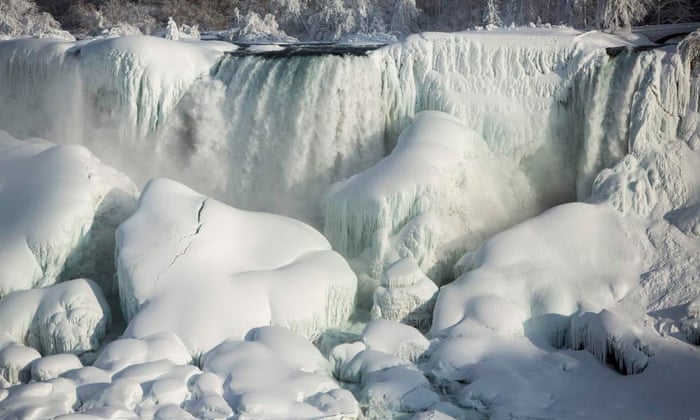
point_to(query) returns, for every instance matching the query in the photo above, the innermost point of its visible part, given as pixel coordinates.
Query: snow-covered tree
(21, 18)
(492, 14)
(620, 14)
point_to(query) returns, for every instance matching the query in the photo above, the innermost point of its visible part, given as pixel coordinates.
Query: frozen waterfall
(235, 127)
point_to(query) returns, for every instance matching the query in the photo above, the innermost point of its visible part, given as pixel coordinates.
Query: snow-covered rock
(440, 193)
(126, 352)
(572, 256)
(405, 294)
(59, 208)
(53, 366)
(396, 339)
(231, 269)
(69, 317)
(15, 362)
(610, 339)
(277, 374)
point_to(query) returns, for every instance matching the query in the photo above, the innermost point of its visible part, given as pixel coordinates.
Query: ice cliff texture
(59, 207)
(232, 269)
(69, 317)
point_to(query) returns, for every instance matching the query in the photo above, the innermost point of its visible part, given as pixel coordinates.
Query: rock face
(59, 208)
(70, 317)
(206, 271)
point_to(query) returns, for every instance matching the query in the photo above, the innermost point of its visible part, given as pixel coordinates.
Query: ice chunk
(405, 295)
(68, 317)
(59, 207)
(439, 193)
(231, 269)
(611, 340)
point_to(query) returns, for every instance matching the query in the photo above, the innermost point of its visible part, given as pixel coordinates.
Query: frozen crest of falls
(230, 126)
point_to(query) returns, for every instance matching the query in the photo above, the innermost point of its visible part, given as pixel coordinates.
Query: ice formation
(441, 191)
(59, 208)
(68, 317)
(234, 270)
(405, 294)
(517, 121)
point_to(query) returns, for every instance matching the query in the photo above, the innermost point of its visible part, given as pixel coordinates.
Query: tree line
(324, 19)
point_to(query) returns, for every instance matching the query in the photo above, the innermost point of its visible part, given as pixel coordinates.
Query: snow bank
(70, 317)
(59, 208)
(233, 270)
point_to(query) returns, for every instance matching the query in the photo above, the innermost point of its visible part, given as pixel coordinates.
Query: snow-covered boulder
(16, 362)
(405, 294)
(572, 256)
(59, 208)
(69, 317)
(439, 193)
(125, 352)
(53, 366)
(206, 271)
(275, 373)
(396, 339)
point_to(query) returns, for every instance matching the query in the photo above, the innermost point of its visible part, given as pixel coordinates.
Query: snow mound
(438, 194)
(572, 256)
(59, 208)
(233, 270)
(277, 374)
(405, 294)
(69, 317)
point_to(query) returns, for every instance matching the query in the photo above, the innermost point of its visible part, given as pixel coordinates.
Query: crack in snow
(190, 236)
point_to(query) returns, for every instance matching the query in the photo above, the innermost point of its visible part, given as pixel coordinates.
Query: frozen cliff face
(59, 207)
(70, 317)
(231, 269)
